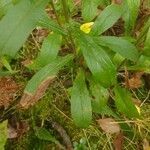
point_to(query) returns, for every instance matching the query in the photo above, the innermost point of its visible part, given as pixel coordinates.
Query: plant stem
(67, 18)
(65, 9)
(55, 12)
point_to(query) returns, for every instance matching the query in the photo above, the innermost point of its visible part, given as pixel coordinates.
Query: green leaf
(89, 9)
(132, 7)
(124, 103)
(7, 73)
(3, 134)
(119, 45)
(6, 64)
(18, 23)
(49, 70)
(48, 23)
(44, 134)
(97, 60)
(4, 6)
(39, 83)
(81, 109)
(144, 31)
(107, 18)
(147, 44)
(142, 65)
(49, 51)
(100, 97)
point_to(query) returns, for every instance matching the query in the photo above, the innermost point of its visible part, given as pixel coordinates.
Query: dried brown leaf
(29, 99)
(118, 141)
(17, 129)
(146, 145)
(134, 81)
(109, 125)
(8, 90)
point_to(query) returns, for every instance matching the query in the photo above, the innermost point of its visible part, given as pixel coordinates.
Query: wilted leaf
(3, 134)
(109, 125)
(81, 109)
(23, 17)
(107, 18)
(37, 86)
(28, 99)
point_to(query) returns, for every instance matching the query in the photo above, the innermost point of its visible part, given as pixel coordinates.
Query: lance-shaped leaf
(18, 23)
(48, 23)
(131, 14)
(48, 52)
(4, 6)
(100, 97)
(119, 45)
(147, 44)
(44, 134)
(38, 84)
(107, 18)
(97, 60)
(81, 109)
(124, 103)
(89, 9)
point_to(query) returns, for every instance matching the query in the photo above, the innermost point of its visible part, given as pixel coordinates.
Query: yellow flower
(86, 27)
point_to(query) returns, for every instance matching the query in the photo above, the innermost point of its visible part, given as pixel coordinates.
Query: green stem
(66, 11)
(55, 12)
(67, 18)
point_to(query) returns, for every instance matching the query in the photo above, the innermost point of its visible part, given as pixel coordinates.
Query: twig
(63, 134)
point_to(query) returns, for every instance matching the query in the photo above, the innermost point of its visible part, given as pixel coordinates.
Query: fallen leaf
(8, 90)
(109, 125)
(12, 133)
(29, 99)
(17, 128)
(134, 82)
(146, 145)
(118, 141)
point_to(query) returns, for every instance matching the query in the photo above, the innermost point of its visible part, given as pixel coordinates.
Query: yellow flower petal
(86, 27)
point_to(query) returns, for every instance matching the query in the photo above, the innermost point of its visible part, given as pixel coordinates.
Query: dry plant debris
(29, 99)
(8, 90)
(109, 125)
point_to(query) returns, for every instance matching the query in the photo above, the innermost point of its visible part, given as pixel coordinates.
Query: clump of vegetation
(74, 74)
